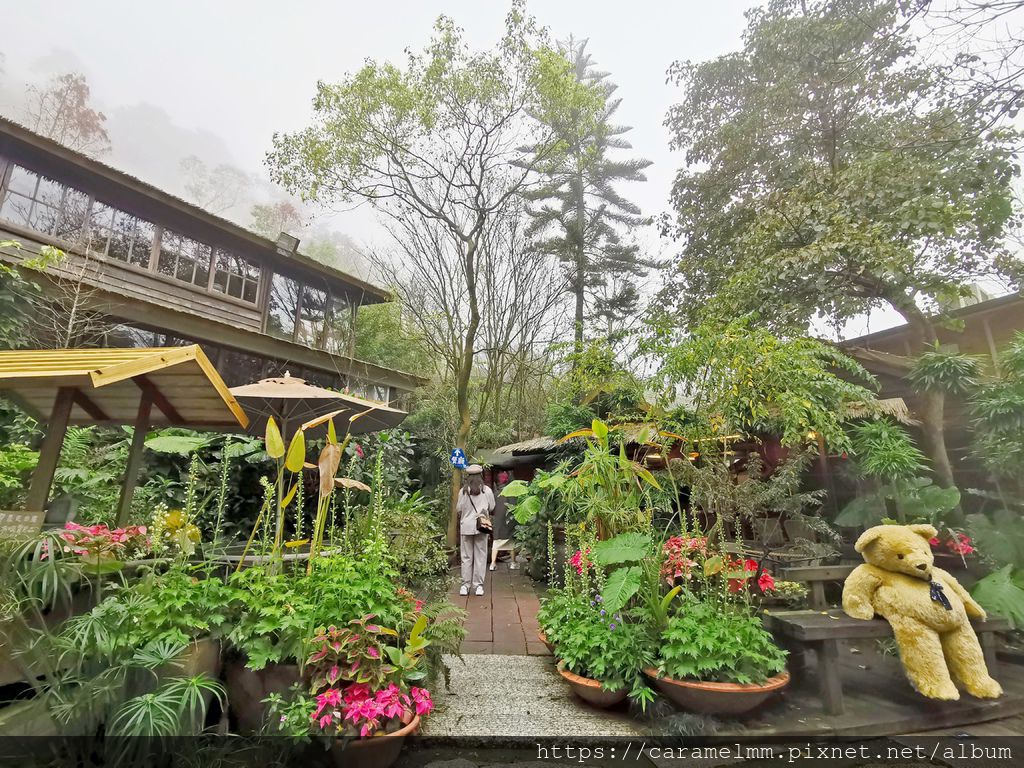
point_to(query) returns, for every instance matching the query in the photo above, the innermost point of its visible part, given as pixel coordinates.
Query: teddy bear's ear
(923, 529)
(867, 537)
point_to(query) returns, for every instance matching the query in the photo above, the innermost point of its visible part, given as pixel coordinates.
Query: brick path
(504, 620)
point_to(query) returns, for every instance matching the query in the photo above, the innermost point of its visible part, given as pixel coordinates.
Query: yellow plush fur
(937, 646)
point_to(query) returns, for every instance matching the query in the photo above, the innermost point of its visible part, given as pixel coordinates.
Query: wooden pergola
(144, 388)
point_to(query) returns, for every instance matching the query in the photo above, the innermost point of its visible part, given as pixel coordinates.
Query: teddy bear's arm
(974, 610)
(859, 591)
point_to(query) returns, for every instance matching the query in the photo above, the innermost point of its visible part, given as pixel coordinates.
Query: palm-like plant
(578, 210)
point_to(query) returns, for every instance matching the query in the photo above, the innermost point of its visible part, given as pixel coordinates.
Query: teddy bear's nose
(922, 567)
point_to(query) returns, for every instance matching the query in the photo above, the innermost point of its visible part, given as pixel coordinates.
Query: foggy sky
(216, 78)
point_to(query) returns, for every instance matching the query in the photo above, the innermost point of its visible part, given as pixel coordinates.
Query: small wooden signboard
(18, 524)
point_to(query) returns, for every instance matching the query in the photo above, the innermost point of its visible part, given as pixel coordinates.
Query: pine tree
(579, 215)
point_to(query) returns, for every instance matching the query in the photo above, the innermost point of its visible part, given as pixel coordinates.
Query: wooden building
(162, 272)
(981, 330)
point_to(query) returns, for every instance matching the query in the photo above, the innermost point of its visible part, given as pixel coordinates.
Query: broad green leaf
(622, 584)
(862, 511)
(274, 443)
(296, 452)
(624, 548)
(515, 489)
(179, 445)
(599, 428)
(1001, 594)
(714, 565)
(555, 481)
(527, 509)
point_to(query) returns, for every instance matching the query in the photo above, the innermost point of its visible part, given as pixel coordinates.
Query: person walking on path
(476, 501)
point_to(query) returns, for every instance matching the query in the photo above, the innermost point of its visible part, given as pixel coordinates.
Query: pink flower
(419, 606)
(960, 544)
(421, 697)
(359, 450)
(325, 721)
(577, 561)
(356, 692)
(391, 702)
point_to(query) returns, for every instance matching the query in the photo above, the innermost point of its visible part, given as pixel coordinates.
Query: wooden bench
(822, 628)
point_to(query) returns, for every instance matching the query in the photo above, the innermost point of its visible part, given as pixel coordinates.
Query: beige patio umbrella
(292, 402)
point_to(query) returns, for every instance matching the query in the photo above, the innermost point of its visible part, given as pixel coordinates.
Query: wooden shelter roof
(185, 387)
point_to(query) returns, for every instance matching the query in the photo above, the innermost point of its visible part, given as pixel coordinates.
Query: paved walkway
(504, 620)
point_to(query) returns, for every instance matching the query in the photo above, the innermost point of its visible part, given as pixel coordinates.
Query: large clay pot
(201, 657)
(591, 691)
(376, 752)
(248, 688)
(717, 698)
(544, 639)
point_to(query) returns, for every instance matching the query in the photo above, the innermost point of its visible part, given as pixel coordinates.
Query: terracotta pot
(544, 639)
(591, 691)
(200, 657)
(717, 698)
(375, 752)
(248, 688)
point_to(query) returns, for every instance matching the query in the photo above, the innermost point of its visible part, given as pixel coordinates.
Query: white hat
(474, 469)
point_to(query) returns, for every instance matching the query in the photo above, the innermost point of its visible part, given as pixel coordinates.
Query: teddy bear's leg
(967, 663)
(923, 660)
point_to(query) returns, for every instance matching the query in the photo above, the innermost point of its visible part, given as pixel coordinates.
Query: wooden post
(828, 676)
(56, 428)
(131, 473)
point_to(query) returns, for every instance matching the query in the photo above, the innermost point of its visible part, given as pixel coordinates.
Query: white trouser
(474, 559)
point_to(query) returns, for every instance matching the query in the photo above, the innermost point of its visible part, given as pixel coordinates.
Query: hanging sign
(458, 458)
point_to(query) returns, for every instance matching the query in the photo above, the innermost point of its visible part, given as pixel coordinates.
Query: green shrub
(721, 643)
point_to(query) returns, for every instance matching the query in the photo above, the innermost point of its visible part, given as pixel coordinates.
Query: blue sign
(458, 458)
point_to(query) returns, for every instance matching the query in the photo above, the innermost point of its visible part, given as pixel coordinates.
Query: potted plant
(187, 606)
(716, 658)
(601, 654)
(276, 612)
(360, 701)
(601, 648)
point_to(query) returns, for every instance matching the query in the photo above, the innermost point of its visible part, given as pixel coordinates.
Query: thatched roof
(894, 407)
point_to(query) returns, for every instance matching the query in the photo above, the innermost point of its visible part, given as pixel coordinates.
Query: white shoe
(479, 591)
(464, 590)
(492, 566)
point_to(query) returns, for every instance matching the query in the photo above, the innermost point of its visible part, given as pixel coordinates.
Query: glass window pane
(16, 209)
(71, 225)
(284, 299)
(311, 317)
(339, 328)
(233, 272)
(119, 235)
(184, 259)
(142, 244)
(249, 291)
(23, 181)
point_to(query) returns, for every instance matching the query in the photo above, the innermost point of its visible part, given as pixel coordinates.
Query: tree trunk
(581, 265)
(462, 386)
(932, 404)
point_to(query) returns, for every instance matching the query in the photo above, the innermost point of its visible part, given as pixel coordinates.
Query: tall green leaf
(622, 584)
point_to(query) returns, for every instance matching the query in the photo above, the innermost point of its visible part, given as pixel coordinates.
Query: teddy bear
(928, 609)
